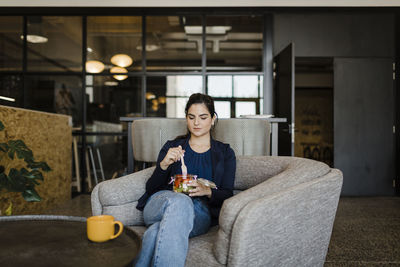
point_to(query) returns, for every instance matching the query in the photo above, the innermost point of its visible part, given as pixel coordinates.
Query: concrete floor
(366, 231)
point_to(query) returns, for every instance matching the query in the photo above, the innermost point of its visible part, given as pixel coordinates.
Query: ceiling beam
(204, 3)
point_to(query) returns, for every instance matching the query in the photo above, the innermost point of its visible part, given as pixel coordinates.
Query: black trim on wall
(396, 100)
(268, 59)
(122, 11)
(144, 65)
(83, 150)
(24, 61)
(204, 53)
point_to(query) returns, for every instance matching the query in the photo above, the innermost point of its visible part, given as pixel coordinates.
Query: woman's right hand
(173, 155)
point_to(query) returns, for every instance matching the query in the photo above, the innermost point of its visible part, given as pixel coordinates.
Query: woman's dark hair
(198, 98)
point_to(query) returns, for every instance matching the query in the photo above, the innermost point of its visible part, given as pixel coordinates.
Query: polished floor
(366, 231)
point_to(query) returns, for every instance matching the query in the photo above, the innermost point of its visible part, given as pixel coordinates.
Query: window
(236, 95)
(220, 85)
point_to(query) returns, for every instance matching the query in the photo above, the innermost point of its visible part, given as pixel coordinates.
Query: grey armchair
(281, 214)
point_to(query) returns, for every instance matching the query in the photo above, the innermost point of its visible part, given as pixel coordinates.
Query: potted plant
(19, 172)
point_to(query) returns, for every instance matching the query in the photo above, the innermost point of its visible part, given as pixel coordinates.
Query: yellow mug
(101, 228)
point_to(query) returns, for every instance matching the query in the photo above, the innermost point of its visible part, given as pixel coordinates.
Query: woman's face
(199, 120)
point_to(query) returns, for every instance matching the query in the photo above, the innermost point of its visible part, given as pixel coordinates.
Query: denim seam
(161, 231)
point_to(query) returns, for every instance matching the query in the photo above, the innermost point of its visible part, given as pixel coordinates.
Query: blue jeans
(172, 218)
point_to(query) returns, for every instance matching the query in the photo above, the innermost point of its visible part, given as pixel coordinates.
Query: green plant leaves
(3, 147)
(23, 180)
(31, 195)
(18, 147)
(3, 180)
(16, 183)
(39, 165)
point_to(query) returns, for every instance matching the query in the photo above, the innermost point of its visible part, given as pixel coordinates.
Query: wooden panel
(50, 137)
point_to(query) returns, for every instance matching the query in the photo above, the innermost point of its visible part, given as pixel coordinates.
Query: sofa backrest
(253, 170)
(245, 136)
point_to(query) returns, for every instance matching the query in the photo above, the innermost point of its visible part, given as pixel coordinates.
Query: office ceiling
(173, 42)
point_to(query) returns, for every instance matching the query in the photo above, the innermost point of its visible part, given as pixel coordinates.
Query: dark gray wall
(363, 109)
(363, 121)
(335, 35)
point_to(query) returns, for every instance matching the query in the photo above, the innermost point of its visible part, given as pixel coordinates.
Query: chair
(282, 211)
(245, 136)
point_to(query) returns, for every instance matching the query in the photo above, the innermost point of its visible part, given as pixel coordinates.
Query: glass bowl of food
(181, 183)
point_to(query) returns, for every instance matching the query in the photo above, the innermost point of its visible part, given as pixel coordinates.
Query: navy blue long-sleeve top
(223, 163)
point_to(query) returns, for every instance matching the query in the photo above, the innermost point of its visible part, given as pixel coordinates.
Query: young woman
(172, 218)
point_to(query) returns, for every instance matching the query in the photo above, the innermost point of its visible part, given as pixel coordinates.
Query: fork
(183, 167)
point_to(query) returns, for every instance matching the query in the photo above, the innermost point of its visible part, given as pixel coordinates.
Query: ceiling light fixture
(7, 98)
(218, 30)
(111, 83)
(119, 70)
(35, 39)
(162, 99)
(121, 60)
(150, 96)
(94, 66)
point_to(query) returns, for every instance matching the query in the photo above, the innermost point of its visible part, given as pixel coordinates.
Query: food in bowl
(181, 183)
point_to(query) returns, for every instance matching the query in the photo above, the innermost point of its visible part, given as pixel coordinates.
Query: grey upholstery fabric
(119, 197)
(200, 250)
(291, 227)
(289, 171)
(245, 136)
(200, 247)
(282, 214)
(149, 135)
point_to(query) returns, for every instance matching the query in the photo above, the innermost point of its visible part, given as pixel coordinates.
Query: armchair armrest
(119, 197)
(287, 228)
(293, 171)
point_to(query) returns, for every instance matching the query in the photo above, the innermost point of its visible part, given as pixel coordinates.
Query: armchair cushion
(119, 197)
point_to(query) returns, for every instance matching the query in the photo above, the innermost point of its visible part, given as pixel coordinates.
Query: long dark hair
(198, 98)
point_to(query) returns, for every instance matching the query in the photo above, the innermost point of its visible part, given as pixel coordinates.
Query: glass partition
(11, 44)
(156, 102)
(234, 43)
(173, 43)
(54, 43)
(109, 99)
(114, 44)
(56, 94)
(11, 90)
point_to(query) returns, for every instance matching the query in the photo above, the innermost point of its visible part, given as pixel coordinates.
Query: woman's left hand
(199, 190)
